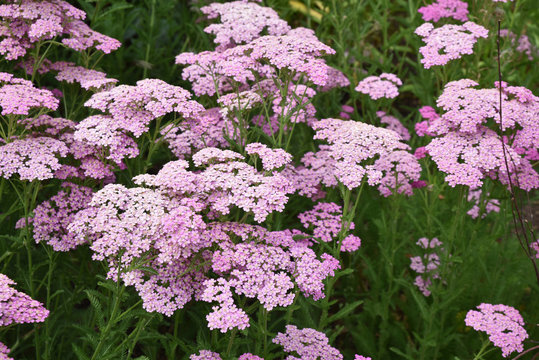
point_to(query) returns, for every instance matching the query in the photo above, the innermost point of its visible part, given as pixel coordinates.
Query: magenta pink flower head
(503, 324)
(52, 216)
(448, 42)
(308, 344)
(456, 9)
(383, 86)
(17, 307)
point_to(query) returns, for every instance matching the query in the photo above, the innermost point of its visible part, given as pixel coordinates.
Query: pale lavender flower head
(4, 352)
(27, 22)
(19, 96)
(503, 324)
(325, 221)
(455, 9)
(31, 158)
(133, 107)
(87, 78)
(350, 243)
(353, 142)
(394, 124)
(271, 158)
(308, 344)
(241, 22)
(383, 86)
(448, 42)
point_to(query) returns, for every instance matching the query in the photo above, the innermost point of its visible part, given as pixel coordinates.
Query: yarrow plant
(503, 324)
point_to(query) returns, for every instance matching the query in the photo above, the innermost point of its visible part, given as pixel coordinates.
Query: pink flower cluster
(207, 129)
(308, 344)
(19, 96)
(17, 307)
(394, 124)
(353, 144)
(241, 22)
(503, 324)
(489, 204)
(133, 107)
(383, 86)
(448, 42)
(456, 9)
(468, 150)
(426, 265)
(271, 158)
(31, 158)
(27, 22)
(324, 220)
(522, 43)
(264, 265)
(52, 217)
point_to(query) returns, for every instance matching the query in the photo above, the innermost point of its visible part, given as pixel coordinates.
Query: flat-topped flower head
(307, 343)
(4, 352)
(271, 158)
(350, 243)
(352, 143)
(394, 124)
(19, 96)
(17, 307)
(398, 170)
(31, 158)
(52, 217)
(87, 78)
(455, 9)
(205, 355)
(105, 133)
(207, 129)
(233, 102)
(377, 87)
(133, 107)
(294, 51)
(448, 42)
(35, 21)
(241, 22)
(325, 221)
(466, 108)
(468, 158)
(503, 324)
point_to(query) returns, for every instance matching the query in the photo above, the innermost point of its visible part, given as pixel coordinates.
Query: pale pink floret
(383, 86)
(448, 42)
(361, 357)
(309, 344)
(4, 352)
(503, 324)
(490, 205)
(456, 9)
